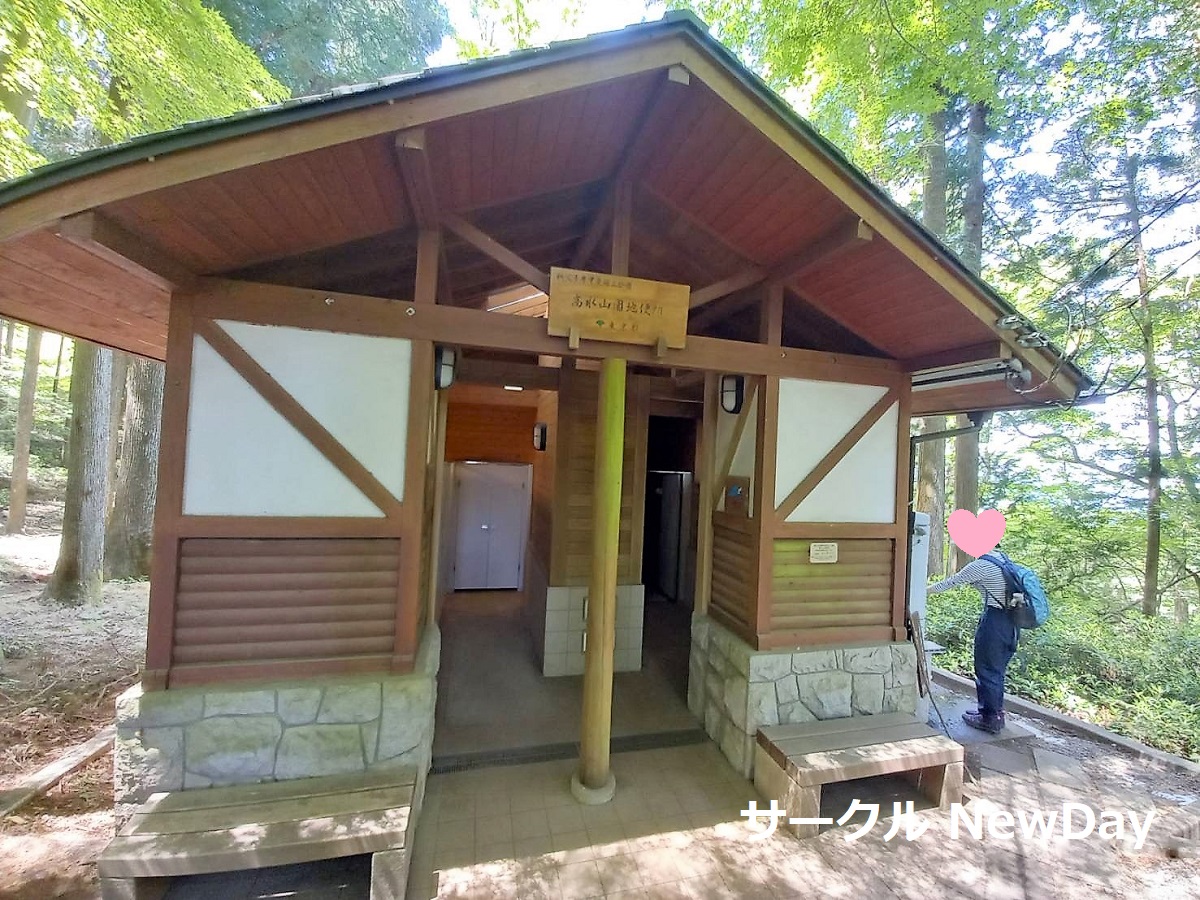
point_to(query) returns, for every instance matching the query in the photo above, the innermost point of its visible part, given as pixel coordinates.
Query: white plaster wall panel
(244, 459)
(862, 486)
(743, 457)
(355, 385)
(813, 417)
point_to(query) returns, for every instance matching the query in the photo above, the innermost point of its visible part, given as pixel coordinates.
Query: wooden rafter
(837, 454)
(497, 251)
(107, 240)
(632, 157)
(837, 242)
(417, 176)
(297, 416)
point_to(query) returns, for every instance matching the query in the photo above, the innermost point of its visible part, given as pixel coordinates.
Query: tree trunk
(116, 410)
(18, 492)
(127, 543)
(62, 344)
(931, 455)
(966, 446)
(10, 329)
(79, 573)
(1154, 468)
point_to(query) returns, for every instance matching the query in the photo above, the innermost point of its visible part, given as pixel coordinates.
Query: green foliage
(78, 73)
(313, 46)
(1097, 658)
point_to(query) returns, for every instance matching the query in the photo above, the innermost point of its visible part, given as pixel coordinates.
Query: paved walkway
(675, 830)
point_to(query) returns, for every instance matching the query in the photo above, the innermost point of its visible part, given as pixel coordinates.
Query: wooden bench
(792, 762)
(257, 825)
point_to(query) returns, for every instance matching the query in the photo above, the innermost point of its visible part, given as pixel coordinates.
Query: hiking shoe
(990, 724)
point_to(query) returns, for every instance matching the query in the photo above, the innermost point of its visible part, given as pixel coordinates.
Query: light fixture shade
(539, 436)
(733, 392)
(445, 361)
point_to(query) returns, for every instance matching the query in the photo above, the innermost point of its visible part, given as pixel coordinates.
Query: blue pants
(995, 644)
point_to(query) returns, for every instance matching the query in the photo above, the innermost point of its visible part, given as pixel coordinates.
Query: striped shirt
(983, 575)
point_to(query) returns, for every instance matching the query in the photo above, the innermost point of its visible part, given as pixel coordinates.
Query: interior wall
(490, 433)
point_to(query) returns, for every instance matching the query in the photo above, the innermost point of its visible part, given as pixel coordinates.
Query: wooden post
(594, 782)
(709, 474)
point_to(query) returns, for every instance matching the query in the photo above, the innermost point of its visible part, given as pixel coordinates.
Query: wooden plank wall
(854, 592)
(733, 600)
(287, 600)
(490, 433)
(571, 561)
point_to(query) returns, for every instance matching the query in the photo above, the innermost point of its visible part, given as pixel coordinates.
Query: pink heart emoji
(976, 535)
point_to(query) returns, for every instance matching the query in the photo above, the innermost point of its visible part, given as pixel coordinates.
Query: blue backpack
(1026, 599)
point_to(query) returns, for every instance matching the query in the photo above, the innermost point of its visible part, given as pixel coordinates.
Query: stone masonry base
(735, 690)
(198, 737)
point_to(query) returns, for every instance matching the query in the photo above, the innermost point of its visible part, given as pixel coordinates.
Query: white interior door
(492, 522)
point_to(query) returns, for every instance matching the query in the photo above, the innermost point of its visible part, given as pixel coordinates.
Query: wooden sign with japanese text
(617, 308)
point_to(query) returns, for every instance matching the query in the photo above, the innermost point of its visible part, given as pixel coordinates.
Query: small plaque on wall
(822, 552)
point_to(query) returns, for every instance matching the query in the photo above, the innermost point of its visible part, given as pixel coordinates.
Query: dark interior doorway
(670, 526)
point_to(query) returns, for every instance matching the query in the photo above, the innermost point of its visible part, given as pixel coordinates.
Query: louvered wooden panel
(733, 575)
(284, 599)
(854, 591)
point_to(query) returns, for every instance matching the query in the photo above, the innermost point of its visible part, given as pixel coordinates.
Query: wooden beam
(417, 176)
(707, 473)
(497, 251)
(835, 243)
(622, 229)
(429, 243)
(765, 466)
(837, 454)
(900, 573)
(632, 157)
(984, 352)
(265, 304)
(297, 416)
(107, 240)
(770, 326)
(168, 503)
(500, 373)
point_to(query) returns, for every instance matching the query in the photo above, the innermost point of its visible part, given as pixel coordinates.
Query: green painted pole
(595, 783)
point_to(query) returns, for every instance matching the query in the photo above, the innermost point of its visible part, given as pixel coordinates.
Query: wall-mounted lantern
(733, 392)
(445, 361)
(539, 436)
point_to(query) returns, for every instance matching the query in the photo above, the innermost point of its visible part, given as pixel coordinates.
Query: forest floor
(63, 667)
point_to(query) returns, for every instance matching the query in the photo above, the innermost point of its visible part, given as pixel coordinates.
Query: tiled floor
(492, 696)
(673, 829)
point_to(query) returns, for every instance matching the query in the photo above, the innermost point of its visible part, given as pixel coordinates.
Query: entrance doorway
(669, 547)
(491, 523)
